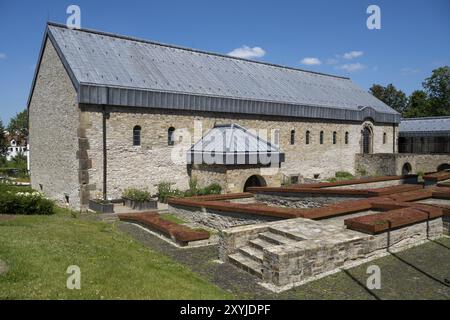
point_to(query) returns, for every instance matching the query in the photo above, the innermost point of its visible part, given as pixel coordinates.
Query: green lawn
(38, 250)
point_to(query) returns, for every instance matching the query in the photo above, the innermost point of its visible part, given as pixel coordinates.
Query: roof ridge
(108, 34)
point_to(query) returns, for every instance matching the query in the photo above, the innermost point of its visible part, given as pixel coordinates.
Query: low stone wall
(301, 200)
(218, 220)
(371, 185)
(392, 164)
(316, 247)
(446, 225)
(291, 264)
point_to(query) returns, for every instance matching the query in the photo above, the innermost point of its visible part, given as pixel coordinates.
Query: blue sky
(413, 40)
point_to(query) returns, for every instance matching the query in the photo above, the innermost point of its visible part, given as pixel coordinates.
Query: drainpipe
(105, 116)
(394, 140)
(105, 162)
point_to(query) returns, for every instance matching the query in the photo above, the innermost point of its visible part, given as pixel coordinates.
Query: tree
(437, 86)
(394, 98)
(19, 124)
(418, 105)
(3, 142)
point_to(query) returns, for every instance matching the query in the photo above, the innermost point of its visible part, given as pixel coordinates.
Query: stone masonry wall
(147, 165)
(284, 265)
(53, 123)
(392, 164)
(232, 178)
(217, 220)
(301, 200)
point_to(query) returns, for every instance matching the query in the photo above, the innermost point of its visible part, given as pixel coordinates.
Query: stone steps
(252, 253)
(285, 235)
(247, 264)
(250, 257)
(276, 239)
(260, 243)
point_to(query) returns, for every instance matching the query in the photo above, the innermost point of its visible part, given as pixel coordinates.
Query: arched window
(384, 137)
(137, 136)
(307, 137)
(334, 137)
(171, 136)
(321, 137)
(292, 137)
(346, 138)
(367, 140)
(276, 137)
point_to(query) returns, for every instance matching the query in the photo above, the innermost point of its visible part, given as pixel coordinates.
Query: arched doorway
(443, 167)
(254, 181)
(406, 169)
(367, 140)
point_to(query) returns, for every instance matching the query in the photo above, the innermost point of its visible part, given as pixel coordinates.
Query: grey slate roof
(232, 144)
(428, 126)
(117, 70)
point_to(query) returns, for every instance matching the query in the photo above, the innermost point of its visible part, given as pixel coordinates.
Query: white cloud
(247, 52)
(311, 61)
(352, 54)
(2, 55)
(352, 67)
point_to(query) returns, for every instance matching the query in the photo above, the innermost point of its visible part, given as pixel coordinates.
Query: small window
(384, 138)
(321, 137)
(346, 138)
(137, 136)
(334, 137)
(171, 136)
(292, 137)
(294, 179)
(276, 137)
(307, 138)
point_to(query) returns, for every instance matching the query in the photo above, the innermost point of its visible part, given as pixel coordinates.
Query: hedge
(26, 203)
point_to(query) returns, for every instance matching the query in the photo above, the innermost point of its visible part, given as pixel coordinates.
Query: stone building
(429, 135)
(16, 145)
(423, 147)
(125, 112)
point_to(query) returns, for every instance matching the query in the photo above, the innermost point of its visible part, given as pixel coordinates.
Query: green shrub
(136, 194)
(27, 203)
(14, 172)
(214, 188)
(193, 185)
(5, 187)
(165, 190)
(344, 175)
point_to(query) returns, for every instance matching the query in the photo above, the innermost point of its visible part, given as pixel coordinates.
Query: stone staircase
(250, 257)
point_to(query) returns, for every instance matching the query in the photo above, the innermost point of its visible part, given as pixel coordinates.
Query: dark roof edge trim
(117, 96)
(412, 134)
(425, 118)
